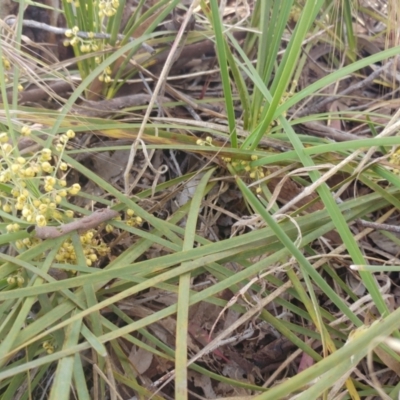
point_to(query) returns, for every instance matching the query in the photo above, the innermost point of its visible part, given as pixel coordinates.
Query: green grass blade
(221, 48)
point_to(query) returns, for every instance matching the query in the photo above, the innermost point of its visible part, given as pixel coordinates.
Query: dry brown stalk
(83, 224)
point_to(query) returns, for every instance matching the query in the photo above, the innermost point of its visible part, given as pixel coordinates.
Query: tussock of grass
(256, 192)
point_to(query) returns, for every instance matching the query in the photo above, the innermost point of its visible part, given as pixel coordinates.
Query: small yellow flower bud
(46, 167)
(25, 131)
(45, 154)
(70, 134)
(41, 220)
(28, 172)
(75, 188)
(20, 281)
(11, 280)
(92, 257)
(3, 137)
(63, 139)
(109, 228)
(50, 180)
(43, 208)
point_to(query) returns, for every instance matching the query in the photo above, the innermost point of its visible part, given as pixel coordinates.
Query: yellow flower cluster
(35, 189)
(106, 75)
(295, 13)
(16, 279)
(255, 173)
(207, 142)
(395, 161)
(92, 248)
(131, 220)
(7, 66)
(108, 8)
(48, 346)
(85, 46)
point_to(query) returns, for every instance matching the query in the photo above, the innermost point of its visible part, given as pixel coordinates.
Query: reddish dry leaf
(305, 362)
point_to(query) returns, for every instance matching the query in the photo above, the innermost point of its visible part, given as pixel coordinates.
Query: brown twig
(382, 227)
(84, 224)
(104, 108)
(327, 132)
(42, 92)
(80, 34)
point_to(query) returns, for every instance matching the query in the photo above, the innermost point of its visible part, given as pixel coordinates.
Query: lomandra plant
(34, 192)
(289, 278)
(105, 27)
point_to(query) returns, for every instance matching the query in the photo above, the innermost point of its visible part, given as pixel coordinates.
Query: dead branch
(83, 35)
(83, 224)
(377, 226)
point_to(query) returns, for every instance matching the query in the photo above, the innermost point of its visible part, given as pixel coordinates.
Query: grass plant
(258, 225)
